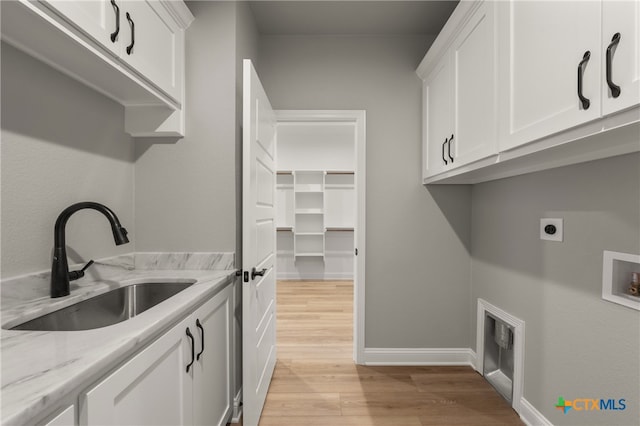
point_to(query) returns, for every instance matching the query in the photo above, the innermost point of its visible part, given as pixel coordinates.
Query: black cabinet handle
(133, 34)
(116, 9)
(193, 349)
(443, 145)
(255, 273)
(615, 89)
(450, 157)
(199, 325)
(583, 62)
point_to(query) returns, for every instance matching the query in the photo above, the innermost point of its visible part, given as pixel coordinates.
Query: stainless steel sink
(107, 309)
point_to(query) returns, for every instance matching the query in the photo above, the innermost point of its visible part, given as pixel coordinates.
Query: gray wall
(185, 189)
(418, 265)
(577, 344)
(61, 143)
(188, 192)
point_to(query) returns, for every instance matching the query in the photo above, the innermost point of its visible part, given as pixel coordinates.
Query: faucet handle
(74, 275)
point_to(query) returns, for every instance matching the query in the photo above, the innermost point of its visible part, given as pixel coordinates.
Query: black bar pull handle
(450, 156)
(585, 102)
(116, 9)
(133, 34)
(615, 89)
(443, 145)
(255, 273)
(199, 325)
(193, 349)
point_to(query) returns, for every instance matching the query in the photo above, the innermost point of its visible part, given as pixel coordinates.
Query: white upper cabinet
(153, 45)
(526, 85)
(141, 33)
(438, 112)
(459, 102)
(550, 59)
(131, 51)
(474, 74)
(621, 47)
(100, 19)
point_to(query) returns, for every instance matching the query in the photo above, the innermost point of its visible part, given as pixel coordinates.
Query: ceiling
(351, 17)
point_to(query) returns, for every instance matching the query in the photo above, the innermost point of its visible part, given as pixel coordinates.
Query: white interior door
(258, 246)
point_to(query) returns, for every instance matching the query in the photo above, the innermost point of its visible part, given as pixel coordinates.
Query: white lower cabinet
(65, 418)
(212, 370)
(183, 378)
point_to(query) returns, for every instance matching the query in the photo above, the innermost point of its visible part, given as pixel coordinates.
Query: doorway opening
(320, 237)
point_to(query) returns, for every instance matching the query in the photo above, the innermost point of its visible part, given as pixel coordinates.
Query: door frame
(358, 117)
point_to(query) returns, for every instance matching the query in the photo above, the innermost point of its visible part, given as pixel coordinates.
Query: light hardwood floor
(316, 383)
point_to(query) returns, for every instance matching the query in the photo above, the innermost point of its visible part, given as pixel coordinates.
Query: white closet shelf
(309, 211)
(339, 228)
(337, 186)
(310, 233)
(341, 172)
(284, 172)
(284, 228)
(309, 254)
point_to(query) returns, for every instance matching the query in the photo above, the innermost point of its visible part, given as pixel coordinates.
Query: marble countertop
(40, 369)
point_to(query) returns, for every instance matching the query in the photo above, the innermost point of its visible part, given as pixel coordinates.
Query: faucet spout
(60, 276)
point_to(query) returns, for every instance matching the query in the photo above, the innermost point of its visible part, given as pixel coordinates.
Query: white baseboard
(237, 407)
(530, 416)
(473, 359)
(419, 356)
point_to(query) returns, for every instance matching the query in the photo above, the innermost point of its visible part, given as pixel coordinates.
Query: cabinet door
(65, 418)
(474, 56)
(156, 45)
(212, 398)
(438, 113)
(542, 44)
(153, 388)
(623, 18)
(97, 18)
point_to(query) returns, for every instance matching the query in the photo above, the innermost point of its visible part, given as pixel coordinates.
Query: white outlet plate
(557, 222)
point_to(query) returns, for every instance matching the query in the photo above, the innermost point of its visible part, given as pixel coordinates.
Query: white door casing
(358, 118)
(258, 245)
